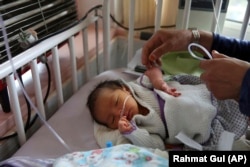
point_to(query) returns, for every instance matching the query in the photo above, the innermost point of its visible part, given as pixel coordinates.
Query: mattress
(72, 122)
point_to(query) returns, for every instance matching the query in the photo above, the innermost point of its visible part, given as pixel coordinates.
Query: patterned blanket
(125, 155)
(120, 155)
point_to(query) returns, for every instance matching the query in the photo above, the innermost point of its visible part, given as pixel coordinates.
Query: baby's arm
(156, 78)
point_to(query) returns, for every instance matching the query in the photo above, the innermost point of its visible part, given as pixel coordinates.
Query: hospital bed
(70, 129)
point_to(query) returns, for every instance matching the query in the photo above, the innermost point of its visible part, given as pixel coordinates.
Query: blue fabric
(244, 102)
(120, 155)
(231, 47)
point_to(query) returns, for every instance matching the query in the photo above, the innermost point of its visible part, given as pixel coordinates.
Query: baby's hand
(169, 90)
(124, 125)
(163, 86)
(155, 76)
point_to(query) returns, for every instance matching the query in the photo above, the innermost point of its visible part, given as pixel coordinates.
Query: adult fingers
(154, 56)
(204, 77)
(145, 55)
(216, 54)
(158, 62)
(207, 76)
(205, 64)
(159, 51)
(149, 47)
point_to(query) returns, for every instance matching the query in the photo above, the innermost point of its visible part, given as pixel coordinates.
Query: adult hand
(162, 42)
(223, 75)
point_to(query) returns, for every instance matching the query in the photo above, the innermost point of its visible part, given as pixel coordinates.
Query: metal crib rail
(29, 56)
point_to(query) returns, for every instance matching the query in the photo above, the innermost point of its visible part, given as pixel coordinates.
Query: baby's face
(109, 105)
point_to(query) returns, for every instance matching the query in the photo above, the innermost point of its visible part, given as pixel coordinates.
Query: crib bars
(30, 56)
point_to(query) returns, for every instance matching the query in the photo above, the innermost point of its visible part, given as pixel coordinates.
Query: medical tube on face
(123, 107)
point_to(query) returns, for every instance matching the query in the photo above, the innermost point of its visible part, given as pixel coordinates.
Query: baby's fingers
(176, 94)
(171, 91)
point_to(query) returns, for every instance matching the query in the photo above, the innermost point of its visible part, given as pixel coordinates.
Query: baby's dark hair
(110, 84)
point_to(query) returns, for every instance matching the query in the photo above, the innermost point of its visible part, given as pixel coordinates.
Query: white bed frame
(30, 57)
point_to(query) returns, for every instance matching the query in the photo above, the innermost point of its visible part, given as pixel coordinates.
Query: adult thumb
(216, 55)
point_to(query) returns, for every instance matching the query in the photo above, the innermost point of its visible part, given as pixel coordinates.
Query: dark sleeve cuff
(244, 101)
(231, 47)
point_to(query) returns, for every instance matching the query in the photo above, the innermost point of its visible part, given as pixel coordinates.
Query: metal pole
(158, 15)
(131, 30)
(106, 34)
(16, 109)
(186, 14)
(245, 22)
(216, 17)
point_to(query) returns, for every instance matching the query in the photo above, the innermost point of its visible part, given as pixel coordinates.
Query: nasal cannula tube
(123, 107)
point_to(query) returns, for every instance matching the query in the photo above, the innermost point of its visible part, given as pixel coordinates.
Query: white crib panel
(245, 22)
(57, 75)
(15, 107)
(38, 88)
(97, 45)
(131, 30)
(186, 14)
(73, 63)
(216, 17)
(158, 15)
(106, 34)
(86, 54)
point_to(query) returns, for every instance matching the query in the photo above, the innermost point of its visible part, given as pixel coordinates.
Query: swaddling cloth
(192, 112)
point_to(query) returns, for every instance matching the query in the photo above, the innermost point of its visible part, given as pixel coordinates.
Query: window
(234, 19)
(236, 10)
